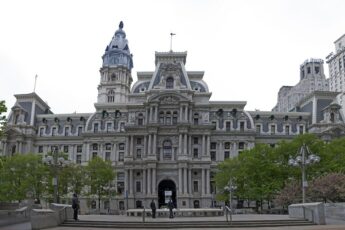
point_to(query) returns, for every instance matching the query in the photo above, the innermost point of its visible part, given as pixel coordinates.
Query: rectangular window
(139, 153)
(40, 149)
(213, 145)
(287, 130)
(95, 127)
(195, 186)
(78, 159)
(109, 126)
(66, 131)
(213, 156)
(106, 204)
(94, 154)
(140, 121)
(65, 148)
(107, 156)
(120, 187)
(226, 155)
(121, 155)
(41, 131)
(196, 121)
(195, 140)
(54, 131)
(108, 146)
(121, 146)
(241, 145)
(195, 153)
(242, 126)
(228, 126)
(139, 141)
(95, 147)
(79, 148)
(273, 129)
(138, 186)
(227, 145)
(258, 128)
(80, 130)
(120, 176)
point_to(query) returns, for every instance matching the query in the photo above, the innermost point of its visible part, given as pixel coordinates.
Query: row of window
(273, 129)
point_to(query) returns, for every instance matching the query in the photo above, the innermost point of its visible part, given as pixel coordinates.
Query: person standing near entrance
(75, 206)
(171, 207)
(153, 208)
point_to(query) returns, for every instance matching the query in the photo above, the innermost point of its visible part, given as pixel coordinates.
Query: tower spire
(35, 83)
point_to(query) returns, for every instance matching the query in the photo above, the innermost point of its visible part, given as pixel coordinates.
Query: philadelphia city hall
(162, 134)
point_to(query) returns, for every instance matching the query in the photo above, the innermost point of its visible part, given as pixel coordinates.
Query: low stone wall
(335, 210)
(186, 212)
(314, 212)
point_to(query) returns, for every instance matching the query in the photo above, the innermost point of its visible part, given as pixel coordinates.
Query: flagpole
(171, 36)
(35, 83)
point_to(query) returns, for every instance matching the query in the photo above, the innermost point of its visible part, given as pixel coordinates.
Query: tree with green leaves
(72, 179)
(21, 177)
(100, 174)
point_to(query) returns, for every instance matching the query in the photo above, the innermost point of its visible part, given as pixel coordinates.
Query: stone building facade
(336, 65)
(312, 78)
(163, 134)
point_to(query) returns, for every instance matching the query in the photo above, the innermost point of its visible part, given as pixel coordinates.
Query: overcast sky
(248, 49)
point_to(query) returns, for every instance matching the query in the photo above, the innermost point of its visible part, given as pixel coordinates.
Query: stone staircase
(185, 224)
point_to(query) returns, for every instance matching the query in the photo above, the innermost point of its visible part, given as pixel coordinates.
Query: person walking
(75, 206)
(171, 207)
(153, 208)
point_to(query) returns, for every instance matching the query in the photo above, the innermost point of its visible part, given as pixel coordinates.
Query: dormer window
(140, 119)
(332, 117)
(170, 83)
(113, 77)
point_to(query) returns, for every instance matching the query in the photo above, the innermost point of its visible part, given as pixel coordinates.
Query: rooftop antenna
(35, 83)
(171, 37)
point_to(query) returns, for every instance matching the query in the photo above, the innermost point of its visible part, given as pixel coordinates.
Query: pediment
(169, 98)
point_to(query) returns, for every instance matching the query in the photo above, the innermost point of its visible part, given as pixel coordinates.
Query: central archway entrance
(166, 189)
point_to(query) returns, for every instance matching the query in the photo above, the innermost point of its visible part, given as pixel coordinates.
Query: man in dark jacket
(153, 208)
(171, 206)
(75, 206)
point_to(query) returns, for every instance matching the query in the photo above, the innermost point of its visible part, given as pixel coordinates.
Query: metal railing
(228, 211)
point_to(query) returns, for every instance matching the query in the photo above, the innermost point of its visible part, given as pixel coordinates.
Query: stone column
(185, 145)
(87, 152)
(153, 180)
(113, 152)
(190, 146)
(203, 145)
(145, 147)
(173, 153)
(186, 114)
(149, 181)
(180, 113)
(190, 181)
(208, 143)
(20, 150)
(126, 146)
(161, 154)
(144, 181)
(180, 181)
(101, 152)
(131, 145)
(150, 118)
(126, 180)
(180, 144)
(149, 146)
(154, 150)
(131, 181)
(207, 181)
(202, 182)
(185, 181)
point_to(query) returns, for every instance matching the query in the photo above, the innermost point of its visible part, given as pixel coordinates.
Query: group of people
(170, 206)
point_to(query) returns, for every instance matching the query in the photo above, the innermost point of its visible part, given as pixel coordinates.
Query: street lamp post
(56, 163)
(304, 158)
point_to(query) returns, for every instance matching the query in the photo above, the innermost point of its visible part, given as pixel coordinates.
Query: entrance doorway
(166, 190)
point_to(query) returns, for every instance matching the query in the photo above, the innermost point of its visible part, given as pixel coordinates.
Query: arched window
(167, 150)
(111, 95)
(170, 83)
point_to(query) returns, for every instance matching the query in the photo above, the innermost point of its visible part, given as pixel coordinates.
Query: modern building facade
(163, 134)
